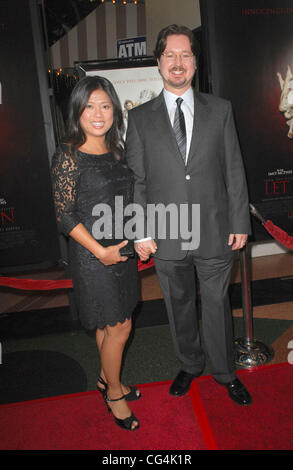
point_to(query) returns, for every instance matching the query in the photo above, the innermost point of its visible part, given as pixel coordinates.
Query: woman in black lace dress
(88, 170)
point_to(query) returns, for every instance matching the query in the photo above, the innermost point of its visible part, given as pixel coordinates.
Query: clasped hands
(145, 248)
(148, 247)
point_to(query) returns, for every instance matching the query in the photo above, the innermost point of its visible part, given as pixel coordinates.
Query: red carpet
(204, 419)
(82, 422)
(267, 424)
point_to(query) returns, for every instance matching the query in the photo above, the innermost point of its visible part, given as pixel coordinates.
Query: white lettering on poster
(134, 47)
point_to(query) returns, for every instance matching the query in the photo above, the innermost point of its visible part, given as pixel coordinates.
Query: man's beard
(177, 83)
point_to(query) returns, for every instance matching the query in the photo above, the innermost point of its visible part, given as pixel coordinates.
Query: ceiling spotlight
(124, 2)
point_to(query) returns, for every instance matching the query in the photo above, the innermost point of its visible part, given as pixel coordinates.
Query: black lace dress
(105, 295)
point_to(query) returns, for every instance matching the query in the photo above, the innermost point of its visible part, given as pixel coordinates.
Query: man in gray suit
(185, 153)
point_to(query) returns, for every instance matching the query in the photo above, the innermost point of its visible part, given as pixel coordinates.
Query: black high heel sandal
(102, 390)
(130, 396)
(122, 423)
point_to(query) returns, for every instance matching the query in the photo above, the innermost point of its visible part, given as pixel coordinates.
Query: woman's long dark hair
(75, 136)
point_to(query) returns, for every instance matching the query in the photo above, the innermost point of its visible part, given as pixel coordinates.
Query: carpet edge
(145, 385)
(202, 418)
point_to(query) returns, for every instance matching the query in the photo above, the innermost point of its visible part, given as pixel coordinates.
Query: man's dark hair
(175, 29)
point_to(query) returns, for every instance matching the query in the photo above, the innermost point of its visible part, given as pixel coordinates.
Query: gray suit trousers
(178, 283)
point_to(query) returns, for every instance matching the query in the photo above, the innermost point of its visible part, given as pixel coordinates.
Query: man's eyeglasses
(171, 56)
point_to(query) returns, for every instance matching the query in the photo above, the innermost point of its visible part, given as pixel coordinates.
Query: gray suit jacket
(213, 177)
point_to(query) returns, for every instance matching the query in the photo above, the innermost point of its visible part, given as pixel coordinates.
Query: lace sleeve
(65, 178)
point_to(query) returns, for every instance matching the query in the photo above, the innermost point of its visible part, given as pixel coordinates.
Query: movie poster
(249, 51)
(28, 234)
(134, 85)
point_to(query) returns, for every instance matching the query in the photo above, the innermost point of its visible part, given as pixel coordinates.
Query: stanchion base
(252, 354)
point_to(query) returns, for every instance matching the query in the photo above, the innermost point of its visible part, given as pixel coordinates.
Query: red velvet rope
(279, 234)
(36, 284)
(30, 284)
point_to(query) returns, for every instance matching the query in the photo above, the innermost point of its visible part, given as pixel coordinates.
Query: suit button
(187, 177)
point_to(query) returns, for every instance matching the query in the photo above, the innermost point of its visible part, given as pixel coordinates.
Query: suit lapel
(162, 122)
(200, 125)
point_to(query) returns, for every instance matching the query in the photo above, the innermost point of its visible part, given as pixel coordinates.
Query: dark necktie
(179, 129)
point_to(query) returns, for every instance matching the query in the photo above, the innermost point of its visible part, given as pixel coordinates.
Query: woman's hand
(111, 254)
(107, 256)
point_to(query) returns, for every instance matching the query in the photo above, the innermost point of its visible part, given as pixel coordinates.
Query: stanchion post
(249, 352)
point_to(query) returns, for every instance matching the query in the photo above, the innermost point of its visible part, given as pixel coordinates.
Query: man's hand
(239, 240)
(145, 249)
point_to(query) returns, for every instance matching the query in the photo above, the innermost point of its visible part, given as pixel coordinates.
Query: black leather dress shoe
(238, 392)
(181, 383)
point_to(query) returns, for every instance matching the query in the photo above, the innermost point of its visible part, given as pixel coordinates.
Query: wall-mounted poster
(135, 81)
(249, 49)
(28, 232)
